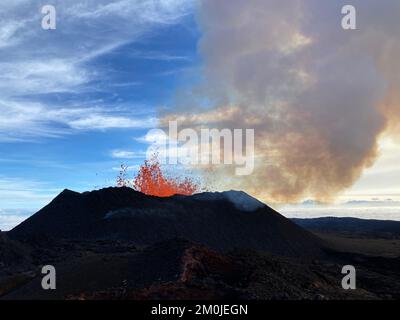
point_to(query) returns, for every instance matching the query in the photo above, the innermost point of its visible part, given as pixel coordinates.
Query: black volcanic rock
(12, 253)
(222, 221)
(178, 269)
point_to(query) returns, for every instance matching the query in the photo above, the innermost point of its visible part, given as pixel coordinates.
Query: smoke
(319, 97)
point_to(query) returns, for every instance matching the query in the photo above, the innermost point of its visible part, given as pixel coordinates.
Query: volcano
(222, 221)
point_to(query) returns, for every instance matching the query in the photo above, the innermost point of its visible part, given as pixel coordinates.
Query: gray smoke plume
(318, 96)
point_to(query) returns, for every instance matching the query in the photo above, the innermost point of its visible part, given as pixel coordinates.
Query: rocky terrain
(116, 244)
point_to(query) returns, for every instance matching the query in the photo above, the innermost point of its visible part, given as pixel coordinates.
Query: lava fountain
(152, 181)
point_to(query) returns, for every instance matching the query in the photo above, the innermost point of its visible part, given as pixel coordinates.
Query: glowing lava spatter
(150, 180)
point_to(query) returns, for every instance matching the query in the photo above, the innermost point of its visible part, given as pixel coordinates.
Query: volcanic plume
(319, 97)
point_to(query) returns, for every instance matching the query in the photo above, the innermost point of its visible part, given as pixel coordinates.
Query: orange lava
(151, 181)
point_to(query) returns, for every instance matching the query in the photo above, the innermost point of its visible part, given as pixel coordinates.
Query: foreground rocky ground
(179, 269)
(116, 243)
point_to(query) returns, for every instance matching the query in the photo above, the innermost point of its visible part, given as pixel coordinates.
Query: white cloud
(8, 32)
(35, 119)
(382, 179)
(17, 193)
(124, 154)
(11, 218)
(154, 136)
(32, 77)
(161, 11)
(37, 62)
(149, 55)
(101, 121)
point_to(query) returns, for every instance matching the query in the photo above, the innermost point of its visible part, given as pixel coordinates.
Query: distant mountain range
(352, 226)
